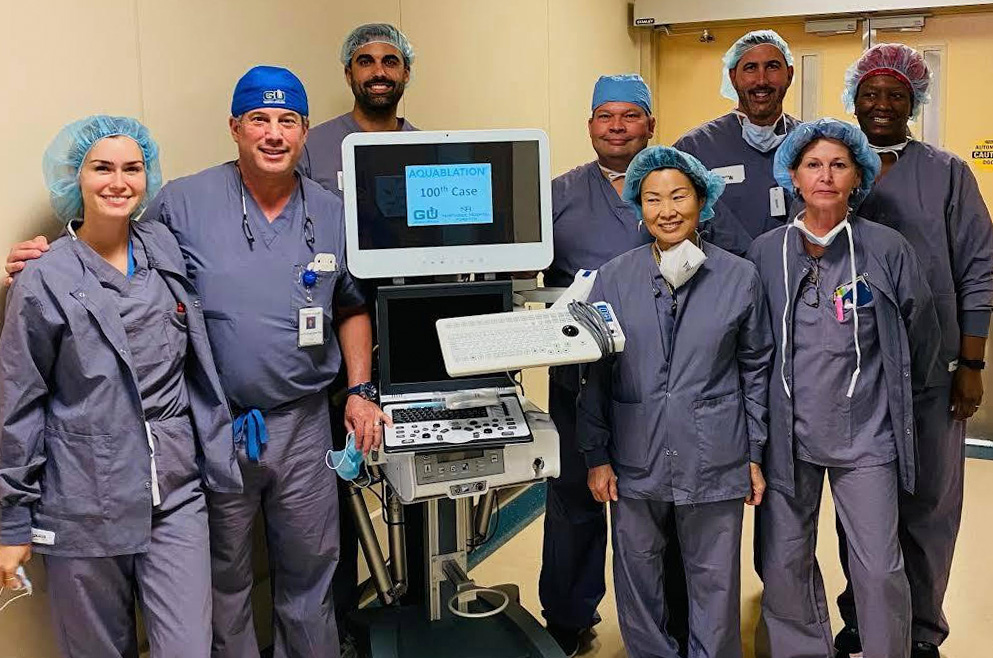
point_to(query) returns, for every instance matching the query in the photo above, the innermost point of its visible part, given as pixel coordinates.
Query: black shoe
(923, 650)
(847, 642)
(566, 638)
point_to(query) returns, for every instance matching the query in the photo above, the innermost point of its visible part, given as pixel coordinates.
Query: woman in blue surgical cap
(111, 409)
(856, 335)
(674, 426)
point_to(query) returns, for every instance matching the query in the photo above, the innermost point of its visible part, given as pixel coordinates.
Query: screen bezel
(464, 259)
(386, 293)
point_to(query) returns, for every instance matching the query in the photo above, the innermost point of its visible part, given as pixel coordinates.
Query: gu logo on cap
(274, 97)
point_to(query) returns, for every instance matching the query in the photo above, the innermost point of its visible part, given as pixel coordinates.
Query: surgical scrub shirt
(252, 294)
(743, 212)
(832, 429)
(155, 327)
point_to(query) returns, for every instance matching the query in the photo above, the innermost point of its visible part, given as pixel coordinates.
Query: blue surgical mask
(761, 138)
(346, 463)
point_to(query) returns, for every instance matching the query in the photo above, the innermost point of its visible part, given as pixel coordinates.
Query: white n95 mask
(820, 240)
(678, 264)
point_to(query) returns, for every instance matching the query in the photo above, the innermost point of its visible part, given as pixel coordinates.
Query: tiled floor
(969, 604)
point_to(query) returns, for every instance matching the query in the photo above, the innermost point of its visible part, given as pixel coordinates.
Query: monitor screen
(421, 203)
(410, 359)
(444, 195)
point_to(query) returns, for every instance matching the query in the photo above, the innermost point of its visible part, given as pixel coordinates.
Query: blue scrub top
(321, 160)
(252, 296)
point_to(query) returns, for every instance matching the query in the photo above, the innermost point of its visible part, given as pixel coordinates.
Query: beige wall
(519, 63)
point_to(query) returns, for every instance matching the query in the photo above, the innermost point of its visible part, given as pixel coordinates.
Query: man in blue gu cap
(265, 248)
(740, 146)
(592, 225)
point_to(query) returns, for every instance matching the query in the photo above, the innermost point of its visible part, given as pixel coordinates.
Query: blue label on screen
(449, 195)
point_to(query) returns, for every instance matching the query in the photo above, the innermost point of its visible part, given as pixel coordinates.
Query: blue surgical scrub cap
(376, 33)
(626, 88)
(842, 131)
(65, 156)
(895, 60)
(742, 46)
(269, 86)
(654, 158)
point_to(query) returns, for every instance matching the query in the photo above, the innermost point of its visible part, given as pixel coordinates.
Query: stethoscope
(308, 223)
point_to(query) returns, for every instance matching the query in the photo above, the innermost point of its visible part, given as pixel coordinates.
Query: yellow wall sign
(982, 154)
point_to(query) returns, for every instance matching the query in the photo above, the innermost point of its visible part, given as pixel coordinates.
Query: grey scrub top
(321, 160)
(155, 329)
(830, 428)
(743, 211)
(680, 424)
(591, 224)
(907, 333)
(931, 197)
(252, 294)
(77, 387)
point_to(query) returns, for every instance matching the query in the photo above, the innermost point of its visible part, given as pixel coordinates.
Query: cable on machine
(587, 315)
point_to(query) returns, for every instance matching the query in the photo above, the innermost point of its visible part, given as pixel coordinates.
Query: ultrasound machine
(440, 220)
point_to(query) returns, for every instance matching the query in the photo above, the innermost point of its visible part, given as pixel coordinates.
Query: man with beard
(377, 59)
(740, 146)
(931, 197)
(592, 225)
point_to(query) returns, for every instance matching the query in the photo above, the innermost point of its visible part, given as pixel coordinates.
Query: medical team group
(798, 299)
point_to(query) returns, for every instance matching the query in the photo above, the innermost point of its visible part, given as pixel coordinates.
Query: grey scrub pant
(710, 538)
(93, 599)
(299, 500)
(929, 518)
(794, 607)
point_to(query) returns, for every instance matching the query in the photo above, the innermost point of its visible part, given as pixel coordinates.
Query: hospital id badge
(777, 202)
(310, 327)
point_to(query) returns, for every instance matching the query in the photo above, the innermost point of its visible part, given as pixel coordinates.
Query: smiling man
(931, 197)
(377, 58)
(740, 146)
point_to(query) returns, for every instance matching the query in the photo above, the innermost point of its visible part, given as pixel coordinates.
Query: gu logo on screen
(274, 97)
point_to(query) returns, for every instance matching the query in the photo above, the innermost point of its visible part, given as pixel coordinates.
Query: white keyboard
(498, 342)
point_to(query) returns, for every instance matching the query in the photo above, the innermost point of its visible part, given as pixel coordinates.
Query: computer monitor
(410, 358)
(431, 203)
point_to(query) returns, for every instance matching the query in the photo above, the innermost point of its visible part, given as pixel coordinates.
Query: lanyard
(308, 224)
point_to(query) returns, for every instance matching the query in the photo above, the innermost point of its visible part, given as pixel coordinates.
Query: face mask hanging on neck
(895, 149)
(678, 264)
(820, 240)
(761, 138)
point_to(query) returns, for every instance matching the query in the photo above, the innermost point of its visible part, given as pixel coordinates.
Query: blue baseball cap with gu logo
(269, 86)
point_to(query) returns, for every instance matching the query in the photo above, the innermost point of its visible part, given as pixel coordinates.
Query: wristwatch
(972, 364)
(365, 390)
